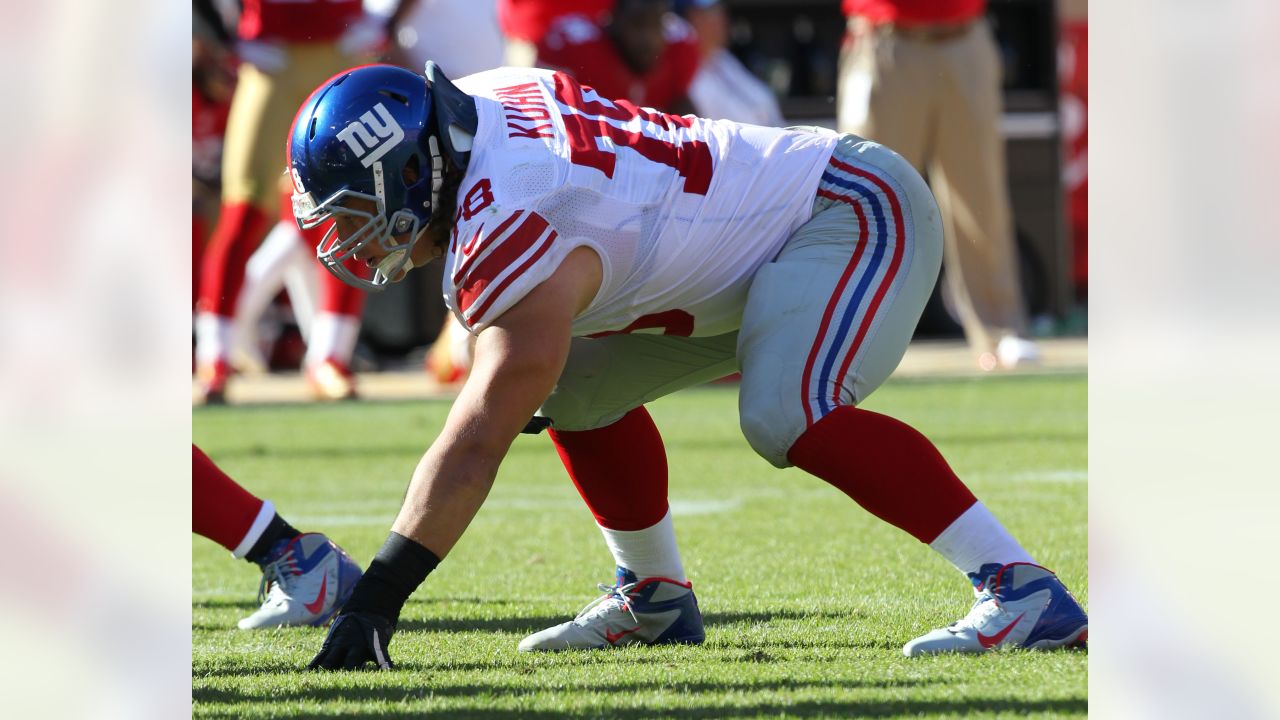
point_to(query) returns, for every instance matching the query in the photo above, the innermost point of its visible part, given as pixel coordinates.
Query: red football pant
(221, 510)
(620, 470)
(887, 467)
(241, 227)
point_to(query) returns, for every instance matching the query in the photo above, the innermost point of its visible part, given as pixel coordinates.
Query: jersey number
(593, 139)
(479, 197)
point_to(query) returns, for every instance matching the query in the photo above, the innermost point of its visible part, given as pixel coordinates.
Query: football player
(305, 576)
(605, 255)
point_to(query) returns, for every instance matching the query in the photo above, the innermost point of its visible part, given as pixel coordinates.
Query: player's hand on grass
(354, 640)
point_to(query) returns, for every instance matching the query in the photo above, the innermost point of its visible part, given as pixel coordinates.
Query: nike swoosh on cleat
(613, 638)
(990, 641)
(314, 606)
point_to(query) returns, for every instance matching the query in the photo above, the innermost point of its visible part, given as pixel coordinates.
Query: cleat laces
(985, 607)
(275, 577)
(614, 597)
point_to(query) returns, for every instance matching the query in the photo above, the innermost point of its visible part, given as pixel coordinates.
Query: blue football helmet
(367, 133)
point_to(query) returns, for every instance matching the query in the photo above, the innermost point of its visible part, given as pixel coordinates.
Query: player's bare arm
(518, 359)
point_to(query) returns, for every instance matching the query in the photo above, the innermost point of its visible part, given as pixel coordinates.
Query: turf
(807, 599)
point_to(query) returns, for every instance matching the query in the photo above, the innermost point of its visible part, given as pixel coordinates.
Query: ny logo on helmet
(372, 136)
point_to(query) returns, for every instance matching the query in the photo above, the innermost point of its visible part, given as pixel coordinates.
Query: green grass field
(807, 599)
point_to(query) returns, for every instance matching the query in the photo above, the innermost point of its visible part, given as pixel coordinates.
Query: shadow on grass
(804, 709)
(712, 690)
(524, 663)
(709, 697)
(367, 694)
(523, 624)
(732, 652)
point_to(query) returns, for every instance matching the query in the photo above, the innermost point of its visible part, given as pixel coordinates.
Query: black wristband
(396, 571)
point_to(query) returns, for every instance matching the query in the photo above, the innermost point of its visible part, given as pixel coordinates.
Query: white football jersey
(682, 211)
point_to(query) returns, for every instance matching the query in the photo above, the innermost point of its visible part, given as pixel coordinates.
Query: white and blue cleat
(652, 611)
(306, 582)
(1019, 605)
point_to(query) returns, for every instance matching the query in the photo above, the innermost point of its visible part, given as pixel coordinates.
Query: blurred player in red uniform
(212, 83)
(286, 47)
(639, 52)
(606, 255)
(525, 22)
(305, 577)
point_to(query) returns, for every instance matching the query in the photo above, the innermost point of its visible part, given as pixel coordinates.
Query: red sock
(221, 510)
(887, 467)
(620, 470)
(240, 229)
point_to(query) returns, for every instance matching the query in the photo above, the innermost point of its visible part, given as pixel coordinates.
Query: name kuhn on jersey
(682, 211)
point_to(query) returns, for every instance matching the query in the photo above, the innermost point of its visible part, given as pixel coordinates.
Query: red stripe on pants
(887, 467)
(620, 470)
(221, 510)
(806, 380)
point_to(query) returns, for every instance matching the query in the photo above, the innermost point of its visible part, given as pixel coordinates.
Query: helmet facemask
(333, 251)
